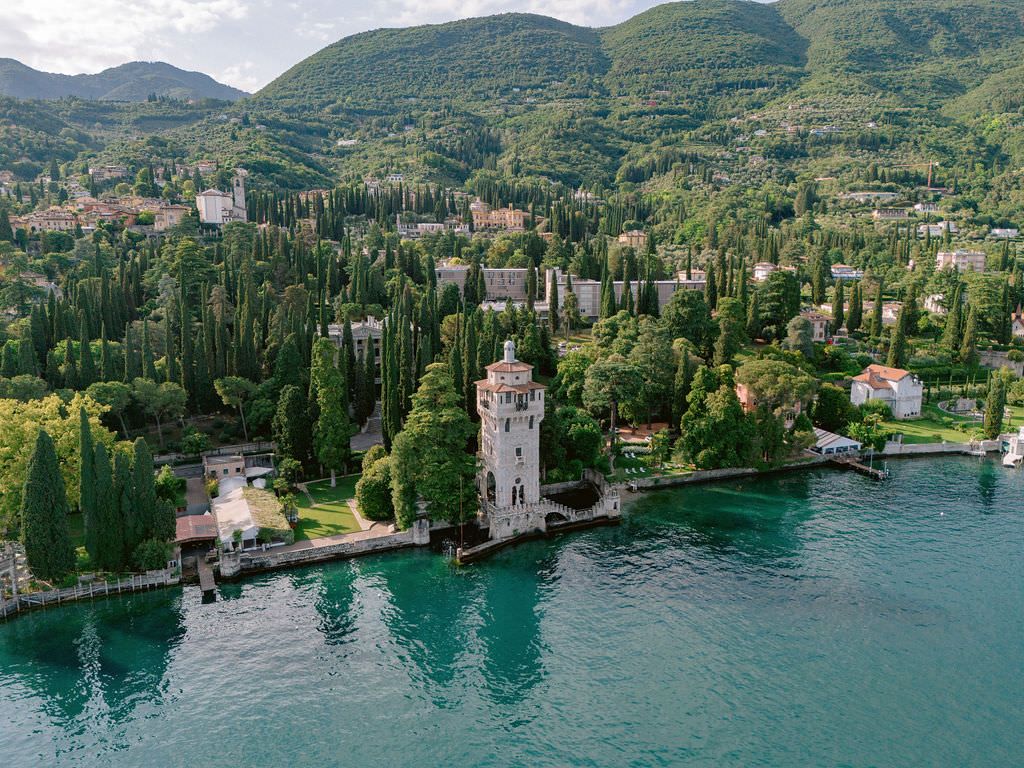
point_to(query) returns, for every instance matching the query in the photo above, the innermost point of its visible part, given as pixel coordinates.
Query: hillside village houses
(846, 272)
(749, 404)
(103, 173)
(890, 310)
(1017, 323)
(938, 230)
(900, 390)
(413, 231)
(53, 219)
(926, 207)
(634, 238)
(169, 216)
(364, 333)
(868, 196)
(588, 292)
(890, 214)
(819, 325)
(962, 260)
(762, 269)
(1000, 233)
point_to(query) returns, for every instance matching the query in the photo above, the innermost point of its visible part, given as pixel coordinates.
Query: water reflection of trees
(510, 629)
(456, 629)
(756, 518)
(336, 600)
(113, 653)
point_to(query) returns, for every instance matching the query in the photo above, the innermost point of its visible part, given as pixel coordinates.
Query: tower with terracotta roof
(511, 408)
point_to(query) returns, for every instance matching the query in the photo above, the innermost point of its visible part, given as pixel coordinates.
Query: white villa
(963, 260)
(762, 269)
(846, 272)
(900, 390)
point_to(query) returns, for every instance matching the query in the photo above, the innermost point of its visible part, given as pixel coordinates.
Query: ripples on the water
(805, 619)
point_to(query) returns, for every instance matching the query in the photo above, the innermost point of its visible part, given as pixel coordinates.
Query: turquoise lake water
(812, 619)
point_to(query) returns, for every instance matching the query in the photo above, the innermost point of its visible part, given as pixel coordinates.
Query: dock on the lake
(206, 580)
(854, 463)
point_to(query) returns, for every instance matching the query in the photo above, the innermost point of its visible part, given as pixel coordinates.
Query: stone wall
(708, 475)
(929, 449)
(994, 359)
(553, 489)
(257, 561)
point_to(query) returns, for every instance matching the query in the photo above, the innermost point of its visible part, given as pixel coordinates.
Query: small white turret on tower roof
(510, 351)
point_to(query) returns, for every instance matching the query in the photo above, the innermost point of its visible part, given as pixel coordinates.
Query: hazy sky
(245, 43)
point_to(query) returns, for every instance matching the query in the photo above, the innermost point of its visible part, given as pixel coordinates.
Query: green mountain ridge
(523, 95)
(134, 81)
(697, 47)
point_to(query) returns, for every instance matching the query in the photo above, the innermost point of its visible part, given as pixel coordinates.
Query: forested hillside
(531, 97)
(134, 81)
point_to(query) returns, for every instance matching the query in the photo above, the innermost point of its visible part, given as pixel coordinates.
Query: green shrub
(373, 491)
(151, 554)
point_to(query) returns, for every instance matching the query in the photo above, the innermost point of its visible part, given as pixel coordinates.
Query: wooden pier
(854, 463)
(138, 582)
(206, 581)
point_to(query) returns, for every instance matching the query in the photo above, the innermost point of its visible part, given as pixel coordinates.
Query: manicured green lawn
(931, 428)
(331, 515)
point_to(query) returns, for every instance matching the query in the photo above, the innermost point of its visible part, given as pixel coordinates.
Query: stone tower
(238, 195)
(511, 408)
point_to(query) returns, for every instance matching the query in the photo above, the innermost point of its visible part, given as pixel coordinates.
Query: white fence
(134, 583)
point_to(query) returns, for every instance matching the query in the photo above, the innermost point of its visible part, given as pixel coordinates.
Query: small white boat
(1015, 453)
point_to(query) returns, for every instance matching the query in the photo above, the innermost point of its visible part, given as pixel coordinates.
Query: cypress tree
(6, 232)
(552, 298)
(626, 302)
(44, 514)
(170, 353)
(70, 369)
(87, 493)
(106, 360)
(110, 534)
(754, 317)
(995, 403)
(608, 306)
(969, 346)
(876, 313)
(954, 321)
(27, 361)
(898, 342)
(133, 526)
(148, 365)
(839, 300)
(143, 488)
(710, 289)
(86, 366)
(856, 309)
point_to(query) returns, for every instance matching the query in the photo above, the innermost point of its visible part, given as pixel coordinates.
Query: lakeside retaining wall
(891, 450)
(354, 545)
(709, 475)
(932, 449)
(261, 561)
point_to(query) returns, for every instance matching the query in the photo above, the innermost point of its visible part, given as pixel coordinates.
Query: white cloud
(240, 76)
(86, 36)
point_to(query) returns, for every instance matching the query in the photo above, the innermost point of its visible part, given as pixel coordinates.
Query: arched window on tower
(531, 422)
(508, 424)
